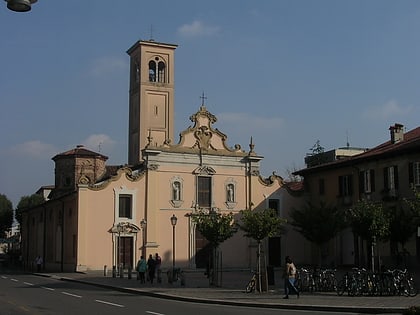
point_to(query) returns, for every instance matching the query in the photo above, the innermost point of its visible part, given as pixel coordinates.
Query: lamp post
(119, 230)
(20, 5)
(143, 229)
(174, 219)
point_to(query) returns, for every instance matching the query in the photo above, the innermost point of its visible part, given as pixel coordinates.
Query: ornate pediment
(124, 228)
(204, 170)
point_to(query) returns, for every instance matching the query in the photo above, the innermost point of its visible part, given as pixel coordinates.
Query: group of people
(149, 268)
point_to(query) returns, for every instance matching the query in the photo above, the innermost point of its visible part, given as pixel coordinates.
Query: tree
(27, 202)
(259, 225)
(318, 224)
(414, 203)
(403, 224)
(216, 227)
(370, 221)
(6, 215)
(317, 148)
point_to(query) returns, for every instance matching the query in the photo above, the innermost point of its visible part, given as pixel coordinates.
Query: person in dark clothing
(151, 267)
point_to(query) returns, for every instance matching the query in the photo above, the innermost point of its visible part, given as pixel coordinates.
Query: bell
(20, 5)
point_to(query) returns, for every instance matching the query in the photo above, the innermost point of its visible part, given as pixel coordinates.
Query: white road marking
(28, 283)
(46, 288)
(70, 294)
(154, 313)
(4, 277)
(15, 280)
(109, 303)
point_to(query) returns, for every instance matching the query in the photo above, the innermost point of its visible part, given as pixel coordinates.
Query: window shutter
(411, 173)
(396, 177)
(372, 180)
(340, 185)
(362, 182)
(386, 185)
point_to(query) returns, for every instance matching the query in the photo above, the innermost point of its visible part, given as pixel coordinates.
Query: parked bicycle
(250, 287)
(391, 282)
(312, 280)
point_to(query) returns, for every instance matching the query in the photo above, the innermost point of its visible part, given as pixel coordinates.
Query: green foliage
(318, 224)
(414, 203)
(6, 215)
(317, 148)
(261, 224)
(403, 224)
(369, 220)
(214, 226)
(27, 202)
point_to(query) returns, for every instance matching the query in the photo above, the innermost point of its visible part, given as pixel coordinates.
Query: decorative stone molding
(230, 188)
(204, 170)
(177, 191)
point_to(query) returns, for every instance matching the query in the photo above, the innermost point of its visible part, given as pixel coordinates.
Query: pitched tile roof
(410, 143)
(79, 151)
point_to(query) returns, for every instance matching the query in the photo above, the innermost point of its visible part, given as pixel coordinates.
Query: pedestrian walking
(290, 278)
(158, 263)
(151, 268)
(141, 269)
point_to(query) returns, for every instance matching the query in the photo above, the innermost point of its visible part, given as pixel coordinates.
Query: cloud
(386, 111)
(33, 149)
(196, 29)
(99, 143)
(107, 66)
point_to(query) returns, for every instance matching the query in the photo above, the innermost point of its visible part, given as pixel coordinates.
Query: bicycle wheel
(412, 291)
(408, 288)
(250, 286)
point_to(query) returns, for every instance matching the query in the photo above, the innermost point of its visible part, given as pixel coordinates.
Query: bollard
(114, 271)
(169, 274)
(159, 275)
(182, 277)
(129, 272)
(121, 271)
(105, 271)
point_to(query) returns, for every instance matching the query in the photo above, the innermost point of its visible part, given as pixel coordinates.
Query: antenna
(151, 33)
(99, 147)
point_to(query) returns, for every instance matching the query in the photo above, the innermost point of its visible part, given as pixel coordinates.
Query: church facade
(100, 215)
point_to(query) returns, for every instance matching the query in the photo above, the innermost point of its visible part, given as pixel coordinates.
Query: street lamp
(20, 5)
(173, 222)
(143, 229)
(119, 230)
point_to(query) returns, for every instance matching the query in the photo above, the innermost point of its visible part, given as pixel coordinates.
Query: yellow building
(99, 215)
(385, 174)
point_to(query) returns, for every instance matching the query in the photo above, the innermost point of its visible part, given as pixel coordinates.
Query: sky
(286, 73)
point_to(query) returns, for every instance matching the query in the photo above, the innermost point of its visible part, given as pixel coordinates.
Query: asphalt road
(28, 294)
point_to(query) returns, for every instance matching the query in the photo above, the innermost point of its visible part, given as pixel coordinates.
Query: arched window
(161, 71)
(157, 70)
(152, 71)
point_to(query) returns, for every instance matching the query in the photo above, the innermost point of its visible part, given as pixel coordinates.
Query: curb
(325, 308)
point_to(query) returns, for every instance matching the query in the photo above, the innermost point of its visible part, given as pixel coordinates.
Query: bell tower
(151, 96)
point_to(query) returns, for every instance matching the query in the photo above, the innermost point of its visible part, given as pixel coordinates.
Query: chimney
(397, 133)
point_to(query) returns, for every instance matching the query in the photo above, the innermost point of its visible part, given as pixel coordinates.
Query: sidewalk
(232, 292)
